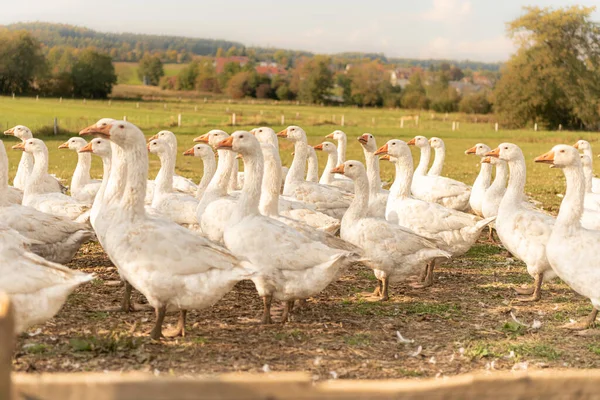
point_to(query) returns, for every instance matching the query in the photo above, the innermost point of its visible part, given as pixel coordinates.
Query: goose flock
(292, 233)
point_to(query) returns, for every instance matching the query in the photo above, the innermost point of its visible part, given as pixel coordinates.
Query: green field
(127, 72)
(199, 117)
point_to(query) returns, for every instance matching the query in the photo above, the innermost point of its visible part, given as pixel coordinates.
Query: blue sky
(458, 29)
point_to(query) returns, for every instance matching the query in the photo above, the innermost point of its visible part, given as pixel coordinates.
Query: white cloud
(492, 49)
(447, 11)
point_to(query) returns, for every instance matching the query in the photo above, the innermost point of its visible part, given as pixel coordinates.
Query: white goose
(101, 148)
(327, 178)
(11, 195)
(572, 250)
(590, 219)
(49, 183)
(586, 148)
(327, 199)
(523, 230)
(312, 169)
(54, 238)
(451, 230)
(439, 147)
(177, 207)
(207, 155)
(291, 265)
(591, 200)
(82, 188)
(342, 143)
(38, 288)
(437, 189)
(393, 252)
(269, 136)
(180, 183)
(52, 203)
(170, 265)
(483, 180)
(494, 194)
(378, 197)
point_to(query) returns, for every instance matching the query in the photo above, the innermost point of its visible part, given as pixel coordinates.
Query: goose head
(103, 125)
(396, 149)
(586, 161)
(157, 146)
(167, 136)
(293, 133)
(479, 150)
(336, 135)
(75, 143)
(122, 133)
(352, 169)
(32, 146)
(97, 146)
(213, 138)
(437, 143)
(20, 131)
(560, 156)
(199, 150)
(582, 145)
(367, 141)
(419, 141)
(506, 152)
(326, 147)
(265, 134)
(241, 142)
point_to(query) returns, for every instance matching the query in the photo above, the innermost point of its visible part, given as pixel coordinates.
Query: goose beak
(189, 152)
(226, 143)
(203, 138)
(493, 153)
(318, 147)
(472, 150)
(282, 134)
(382, 150)
(364, 139)
(153, 137)
(10, 132)
(576, 145)
(148, 146)
(19, 146)
(411, 142)
(546, 158)
(65, 145)
(385, 157)
(330, 136)
(338, 170)
(238, 156)
(104, 130)
(486, 160)
(253, 131)
(86, 149)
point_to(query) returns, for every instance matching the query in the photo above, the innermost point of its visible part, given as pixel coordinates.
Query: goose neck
(209, 168)
(296, 171)
(116, 178)
(360, 203)
(516, 182)
(341, 150)
(137, 177)
(438, 162)
(164, 178)
(400, 189)
(571, 207)
(484, 177)
(271, 185)
(81, 175)
(423, 161)
(373, 174)
(587, 176)
(327, 176)
(40, 169)
(499, 184)
(250, 197)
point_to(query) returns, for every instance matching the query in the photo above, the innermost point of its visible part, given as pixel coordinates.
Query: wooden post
(83, 101)
(333, 118)
(205, 99)
(453, 125)
(342, 121)
(37, 97)
(13, 95)
(496, 127)
(164, 106)
(109, 103)
(7, 331)
(195, 108)
(55, 126)
(417, 120)
(282, 119)
(373, 121)
(535, 127)
(137, 105)
(401, 122)
(233, 119)
(125, 118)
(179, 120)
(60, 100)
(560, 127)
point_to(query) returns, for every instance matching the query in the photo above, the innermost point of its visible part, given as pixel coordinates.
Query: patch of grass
(479, 350)
(538, 350)
(512, 329)
(357, 340)
(37, 348)
(200, 340)
(410, 373)
(368, 275)
(482, 251)
(99, 315)
(294, 335)
(439, 309)
(111, 343)
(595, 348)
(371, 308)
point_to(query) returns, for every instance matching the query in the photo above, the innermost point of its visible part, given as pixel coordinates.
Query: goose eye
(506, 148)
(242, 136)
(562, 151)
(121, 126)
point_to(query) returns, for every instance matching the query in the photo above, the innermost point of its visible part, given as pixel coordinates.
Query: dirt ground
(461, 324)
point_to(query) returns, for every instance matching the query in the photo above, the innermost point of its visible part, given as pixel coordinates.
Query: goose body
(327, 178)
(483, 180)
(82, 188)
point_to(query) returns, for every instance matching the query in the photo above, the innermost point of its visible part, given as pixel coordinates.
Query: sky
(454, 29)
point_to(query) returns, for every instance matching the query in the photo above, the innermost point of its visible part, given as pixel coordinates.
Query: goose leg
(586, 323)
(302, 304)
(385, 283)
(428, 280)
(156, 332)
(126, 301)
(289, 306)
(377, 291)
(491, 235)
(180, 328)
(537, 290)
(266, 318)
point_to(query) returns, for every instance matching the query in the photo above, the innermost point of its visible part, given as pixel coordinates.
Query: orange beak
(226, 143)
(472, 150)
(283, 133)
(330, 136)
(338, 170)
(94, 130)
(203, 138)
(253, 131)
(65, 145)
(19, 146)
(318, 147)
(189, 152)
(11, 132)
(546, 158)
(493, 153)
(411, 142)
(385, 157)
(153, 137)
(382, 150)
(87, 148)
(148, 146)
(486, 160)
(364, 139)
(576, 145)
(238, 156)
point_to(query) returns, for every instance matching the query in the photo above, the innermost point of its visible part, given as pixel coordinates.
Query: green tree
(415, 96)
(442, 97)
(239, 86)
(187, 76)
(554, 77)
(151, 68)
(21, 61)
(368, 83)
(207, 77)
(93, 75)
(345, 83)
(229, 70)
(313, 80)
(475, 104)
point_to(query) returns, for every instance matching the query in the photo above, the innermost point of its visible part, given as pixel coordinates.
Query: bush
(264, 91)
(475, 104)
(415, 100)
(93, 75)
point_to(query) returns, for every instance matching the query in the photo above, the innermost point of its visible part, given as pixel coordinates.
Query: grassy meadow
(127, 72)
(198, 117)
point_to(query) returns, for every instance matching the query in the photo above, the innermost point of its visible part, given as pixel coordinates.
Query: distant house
(220, 62)
(400, 76)
(463, 87)
(270, 69)
(482, 80)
